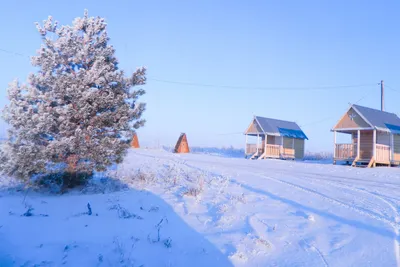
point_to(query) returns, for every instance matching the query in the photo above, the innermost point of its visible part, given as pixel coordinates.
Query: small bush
(62, 181)
(194, 192)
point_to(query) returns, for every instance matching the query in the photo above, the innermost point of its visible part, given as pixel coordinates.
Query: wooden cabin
(375, 137)
(274, 139)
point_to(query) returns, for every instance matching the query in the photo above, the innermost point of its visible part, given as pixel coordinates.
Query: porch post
(334, 144)
(294, 152)
(258, 141)
(265, 145)
(374, 144)
(358, 143)
(391, 147)
(281, 146)
(245, 148)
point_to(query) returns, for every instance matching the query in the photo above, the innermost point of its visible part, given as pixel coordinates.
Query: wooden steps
(371, 163)
(255, 156)
(263, 155)
(354, 164)
(362, 163)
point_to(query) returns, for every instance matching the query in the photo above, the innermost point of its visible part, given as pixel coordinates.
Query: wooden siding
(254, 128)
(382, 154)
(396, 143)
(347, 123)
(366, 144)
(287, 150)
(354, 138)
(273, 140)
(273, 151)
(299, 148)
(383, 138)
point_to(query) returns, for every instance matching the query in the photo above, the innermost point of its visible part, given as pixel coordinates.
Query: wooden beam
(334, 144)
(391, 147)
(374, 145)
(258, 142)
(351, 129)
(265, 145)
(245, 148)
(371, 163)
(358, 143)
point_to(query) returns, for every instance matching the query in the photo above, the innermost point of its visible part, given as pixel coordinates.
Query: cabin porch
(270, 146)
(367, 147)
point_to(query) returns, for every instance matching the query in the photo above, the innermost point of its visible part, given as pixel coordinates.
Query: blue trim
(292, 133)
(393, 128)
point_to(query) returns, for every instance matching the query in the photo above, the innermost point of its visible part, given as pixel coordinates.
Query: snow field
(163, 209)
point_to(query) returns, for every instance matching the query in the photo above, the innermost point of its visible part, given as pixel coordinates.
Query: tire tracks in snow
(332, 200)
(353, 189)
(395, 224)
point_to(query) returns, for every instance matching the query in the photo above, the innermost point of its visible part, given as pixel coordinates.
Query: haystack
(182, 145)
(135, 141)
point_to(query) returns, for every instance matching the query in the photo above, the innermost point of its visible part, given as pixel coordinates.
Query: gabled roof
(377, 118)
(280, 127)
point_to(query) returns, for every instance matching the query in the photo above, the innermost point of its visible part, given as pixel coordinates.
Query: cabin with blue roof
(274, 139)
(375, 137)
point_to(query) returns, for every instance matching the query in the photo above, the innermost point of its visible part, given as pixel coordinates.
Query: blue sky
(269, 44)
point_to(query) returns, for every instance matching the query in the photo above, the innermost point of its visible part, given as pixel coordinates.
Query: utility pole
(382, 96)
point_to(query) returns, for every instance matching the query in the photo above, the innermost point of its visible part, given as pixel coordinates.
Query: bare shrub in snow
(130, 177)
(193, 192)
(124, 256)
(223, 208)
(79, 109)
(263, 242)
(124, 213)
(145, 177)
(238, 198)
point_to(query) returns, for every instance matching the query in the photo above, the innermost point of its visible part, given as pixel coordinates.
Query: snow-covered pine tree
(78, 109)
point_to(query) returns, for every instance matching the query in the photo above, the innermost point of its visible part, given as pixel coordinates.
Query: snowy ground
(202, 210)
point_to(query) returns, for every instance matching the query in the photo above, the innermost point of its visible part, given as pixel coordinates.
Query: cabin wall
(396, 144)
(273, 140)
(299, 148)
(347, 122)
(288, 149)
(383, 138)
(366, 144)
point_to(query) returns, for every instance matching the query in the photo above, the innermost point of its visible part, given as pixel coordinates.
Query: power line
(391, 88)
(264, 88)
(231, 133)
(317, 122)
(308, 88)
(13, 53)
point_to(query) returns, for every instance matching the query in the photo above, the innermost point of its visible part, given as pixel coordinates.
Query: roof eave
(259, 124)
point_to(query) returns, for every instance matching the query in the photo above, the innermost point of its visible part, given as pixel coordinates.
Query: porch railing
(382, 153)
(345, 151)
(251, 148)
(273, 151)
